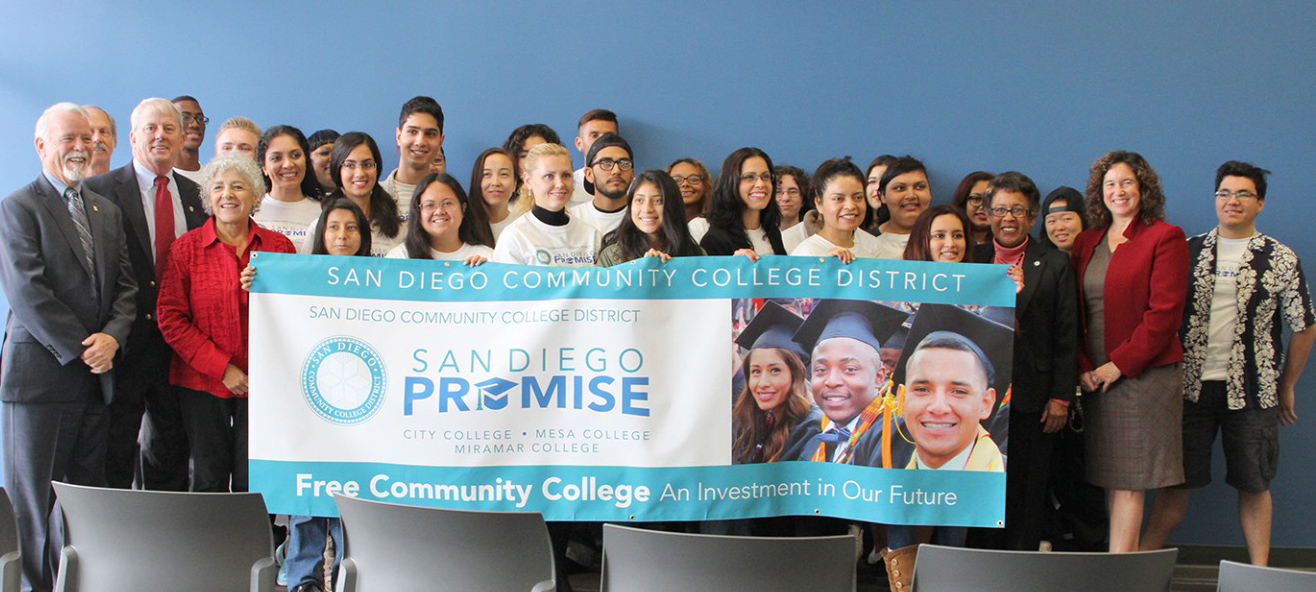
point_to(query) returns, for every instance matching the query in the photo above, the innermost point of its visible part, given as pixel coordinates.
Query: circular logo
(543, 257)
(343, 380)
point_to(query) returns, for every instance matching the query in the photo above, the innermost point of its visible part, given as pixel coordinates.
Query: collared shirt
(843, 445)
(203, 308)
(1270, 285)
(60, 187)
(146, 184)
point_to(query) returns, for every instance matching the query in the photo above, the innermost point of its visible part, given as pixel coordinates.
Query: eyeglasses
(1017, 212)
(1241, 194)
(751, 177)
(606, 164)
(201, 119)
(692, 179)
(368, 165)
(975, 198)
(793, 192)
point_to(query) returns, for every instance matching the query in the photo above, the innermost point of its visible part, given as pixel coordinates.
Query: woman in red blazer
(1132, 271)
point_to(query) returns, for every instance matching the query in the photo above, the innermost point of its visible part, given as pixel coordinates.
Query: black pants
(146, 425)
(217, 430)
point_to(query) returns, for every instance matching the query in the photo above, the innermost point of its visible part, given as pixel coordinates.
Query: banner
(702, 388)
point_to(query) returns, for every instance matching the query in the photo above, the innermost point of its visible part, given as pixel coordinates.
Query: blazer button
(148, 316)
(152, 283)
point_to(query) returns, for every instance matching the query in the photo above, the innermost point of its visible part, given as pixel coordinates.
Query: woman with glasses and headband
(355, 165)
(743, 216)
(692, 177)
(968, 198)
(1045, 351)
(1132, 271)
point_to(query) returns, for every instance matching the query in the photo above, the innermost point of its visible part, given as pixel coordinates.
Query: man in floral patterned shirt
(1243, 283)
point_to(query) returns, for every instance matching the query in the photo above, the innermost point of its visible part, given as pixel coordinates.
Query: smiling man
(847, 378)
(1237, 381)
(159, 205)
(420, 140)
(188, 161)
(609, 170)
(948, 394)
(104, 137)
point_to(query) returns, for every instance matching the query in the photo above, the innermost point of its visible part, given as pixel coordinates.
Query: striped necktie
(79, 213)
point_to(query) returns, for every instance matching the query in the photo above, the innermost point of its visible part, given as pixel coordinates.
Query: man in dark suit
(1045, 373)
(70, 289)
(152, 197)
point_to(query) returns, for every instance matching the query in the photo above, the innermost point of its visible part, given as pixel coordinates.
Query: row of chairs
(120, 540)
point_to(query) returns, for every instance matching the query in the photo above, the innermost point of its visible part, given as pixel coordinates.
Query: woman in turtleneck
(547, 235)
(1045, 351)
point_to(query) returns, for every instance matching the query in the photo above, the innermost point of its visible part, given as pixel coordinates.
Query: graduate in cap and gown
(774, 401)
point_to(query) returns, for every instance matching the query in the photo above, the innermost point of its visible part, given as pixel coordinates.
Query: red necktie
(164, 223)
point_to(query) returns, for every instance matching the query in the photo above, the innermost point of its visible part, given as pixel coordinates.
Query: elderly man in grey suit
(69, 283)
(158, 206)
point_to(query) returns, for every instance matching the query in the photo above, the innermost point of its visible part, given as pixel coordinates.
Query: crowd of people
(125, 355)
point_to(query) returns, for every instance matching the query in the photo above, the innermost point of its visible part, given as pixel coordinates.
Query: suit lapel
(129, 198)
(57, 207)
(1032, 265)
(189, 194)
(99, 238)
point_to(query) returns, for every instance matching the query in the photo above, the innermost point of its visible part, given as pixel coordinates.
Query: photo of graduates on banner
(879, 384)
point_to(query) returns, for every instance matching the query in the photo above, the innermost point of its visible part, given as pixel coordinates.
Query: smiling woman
(203, 317)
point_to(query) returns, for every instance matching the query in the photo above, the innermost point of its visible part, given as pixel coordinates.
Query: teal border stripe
(681, 278)
(979, 498)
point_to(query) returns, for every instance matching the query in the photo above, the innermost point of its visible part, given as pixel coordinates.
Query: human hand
(748, 253)
(845, 255)
(248, 274)
(99, 355)
(1054, 416)
(235, 380)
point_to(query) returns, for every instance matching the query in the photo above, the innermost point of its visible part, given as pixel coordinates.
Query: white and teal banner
(585, 394)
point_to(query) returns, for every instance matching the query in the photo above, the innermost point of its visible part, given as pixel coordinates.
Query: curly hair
(1151, 204)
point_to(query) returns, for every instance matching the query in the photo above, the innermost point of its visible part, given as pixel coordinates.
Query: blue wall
(1039, 86)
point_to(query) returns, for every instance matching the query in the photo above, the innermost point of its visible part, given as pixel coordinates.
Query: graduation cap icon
(865, 321)
(989, 340)
(773, 326)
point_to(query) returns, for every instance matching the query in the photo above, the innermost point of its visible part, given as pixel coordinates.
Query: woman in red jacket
(1132, 271)
(203, 316)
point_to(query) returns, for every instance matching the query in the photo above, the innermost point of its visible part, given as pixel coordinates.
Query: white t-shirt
(291, 219)
(891, 245)
(865, 245)
(604, 222)
(380, 244)
(1224, 307)
(402, 192)
(498, 227)
(698, 228)
(579, 195)
(194, 176)
(531, 242)
(465, 252)
(793, 236)
(758, 239)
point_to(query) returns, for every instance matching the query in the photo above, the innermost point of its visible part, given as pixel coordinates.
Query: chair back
(11, 560)
(1241, 577)
(638, 560)
(397, 548)
(121, 540)
(950, 569)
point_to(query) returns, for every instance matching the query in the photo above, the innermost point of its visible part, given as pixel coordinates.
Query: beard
(76, 172)
(608, 193)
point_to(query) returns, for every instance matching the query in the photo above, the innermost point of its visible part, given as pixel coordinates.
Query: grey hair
(154, 104)
(244, 166)
(43, 122)
(114, 127)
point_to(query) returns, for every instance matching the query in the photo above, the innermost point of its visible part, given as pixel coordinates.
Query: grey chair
(638, 560)
(396, 548)
(120, 540)
(950, 569)
(1241, 577)
(11, 561)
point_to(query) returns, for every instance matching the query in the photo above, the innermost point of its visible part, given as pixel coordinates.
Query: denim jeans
(306, 543)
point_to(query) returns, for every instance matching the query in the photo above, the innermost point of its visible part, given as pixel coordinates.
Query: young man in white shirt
(1242, 284)
(420, 139)
(593, 123)
(609, 171)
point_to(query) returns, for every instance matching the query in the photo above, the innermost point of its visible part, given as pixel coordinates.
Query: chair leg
(900, 567)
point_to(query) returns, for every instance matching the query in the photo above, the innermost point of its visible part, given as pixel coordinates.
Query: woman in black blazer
(743, 217)
(1045, 351)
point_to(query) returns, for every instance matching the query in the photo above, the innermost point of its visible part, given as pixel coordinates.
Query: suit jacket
(147, 353)
(55, 301)
(717, 241)
(1046, 328)
(1144, 294)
